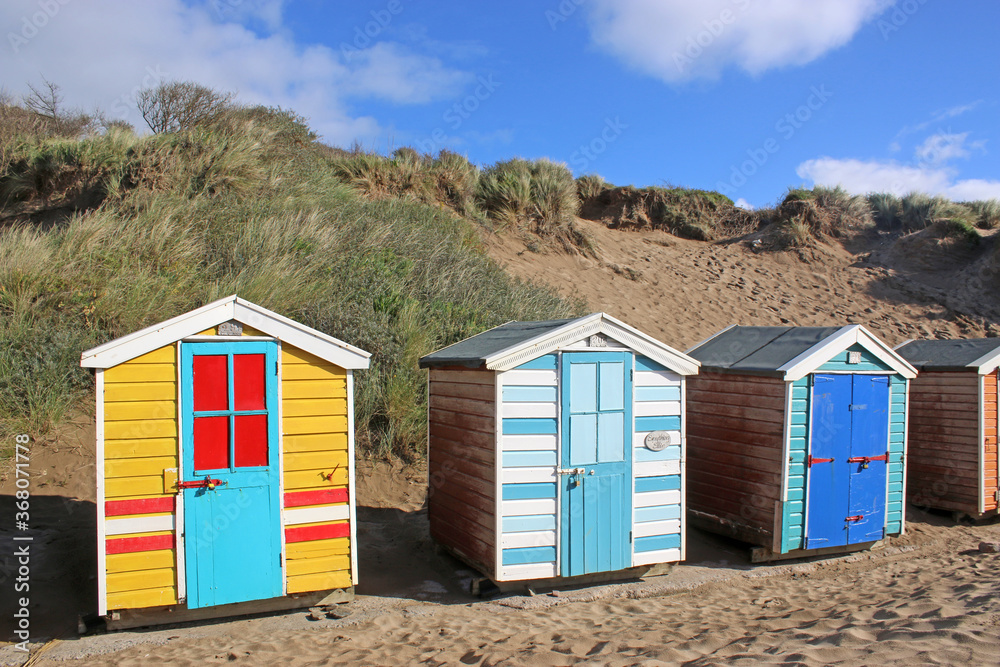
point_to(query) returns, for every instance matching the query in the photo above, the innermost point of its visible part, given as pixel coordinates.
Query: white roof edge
(146, 340)
(847, 336)
(987, 363)
(587, 325)
(903, 344)
(712, 337)
(519, 348)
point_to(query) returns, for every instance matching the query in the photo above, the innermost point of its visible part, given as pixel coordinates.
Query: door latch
(207, 483)
(865, 460)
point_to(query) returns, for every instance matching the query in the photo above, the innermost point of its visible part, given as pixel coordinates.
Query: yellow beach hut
(225, 466)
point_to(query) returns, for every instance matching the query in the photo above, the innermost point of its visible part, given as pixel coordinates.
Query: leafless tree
(44, 100)
(179, 105)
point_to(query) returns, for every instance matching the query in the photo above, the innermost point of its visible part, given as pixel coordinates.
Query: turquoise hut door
(848, 460)
(596, 456)
(232, 520)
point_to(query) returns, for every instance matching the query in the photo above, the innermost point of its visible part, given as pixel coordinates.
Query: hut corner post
(102, 569)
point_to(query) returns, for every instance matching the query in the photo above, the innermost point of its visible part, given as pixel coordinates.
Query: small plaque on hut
(597, 340)
(657, 441)
(231, 328)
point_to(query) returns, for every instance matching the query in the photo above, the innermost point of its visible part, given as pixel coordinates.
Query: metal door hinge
(630, 536)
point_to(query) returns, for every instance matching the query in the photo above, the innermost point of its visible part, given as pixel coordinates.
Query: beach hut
(952, 461)
(556, 449)
(225, 466)
(796, 438)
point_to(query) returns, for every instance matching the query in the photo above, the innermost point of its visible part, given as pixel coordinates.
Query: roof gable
(232, 307)
(790, 352)
(515, 343)
(981, 355)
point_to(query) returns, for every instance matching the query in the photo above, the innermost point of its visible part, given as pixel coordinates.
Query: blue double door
(230, 484)
(848, 460)
(596, 456)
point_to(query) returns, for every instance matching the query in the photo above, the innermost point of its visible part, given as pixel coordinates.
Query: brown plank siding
(991, 471)
(461, 462)
(944, 447)
(735, 425)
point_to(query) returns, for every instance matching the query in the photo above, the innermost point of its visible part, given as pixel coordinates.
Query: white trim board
(232, 307)
(595, 323)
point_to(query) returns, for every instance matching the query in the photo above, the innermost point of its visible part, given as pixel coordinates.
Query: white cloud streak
(864, 176)
(101, 52)
(680, 40)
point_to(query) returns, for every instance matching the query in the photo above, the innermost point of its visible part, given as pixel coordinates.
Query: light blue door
(848, 460)
(596, 426)
(232, 521)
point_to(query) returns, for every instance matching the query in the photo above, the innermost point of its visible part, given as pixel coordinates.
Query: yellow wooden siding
(319, 582)
(314, 411)
(140, 441)
(129, 449)
(142, 560)
(319, 564)
(121, 582)
(323, 442)
(150, 597)
(335, 546)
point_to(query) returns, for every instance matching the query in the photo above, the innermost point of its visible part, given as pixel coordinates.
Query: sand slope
(683, 291)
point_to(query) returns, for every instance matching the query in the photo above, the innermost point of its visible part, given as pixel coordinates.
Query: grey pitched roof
(473, 352)
(948, 355)
(758, 349)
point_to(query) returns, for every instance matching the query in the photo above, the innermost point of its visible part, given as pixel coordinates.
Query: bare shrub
(181, 105)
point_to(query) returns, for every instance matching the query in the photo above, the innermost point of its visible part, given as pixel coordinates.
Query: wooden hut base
(125, 619)
(765, 555)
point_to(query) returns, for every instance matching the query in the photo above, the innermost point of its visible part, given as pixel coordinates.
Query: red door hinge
(855, 518)
(813, 460)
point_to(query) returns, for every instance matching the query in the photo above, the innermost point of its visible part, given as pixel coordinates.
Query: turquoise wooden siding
(529, 426)
(794, 519)
(656, 475)
(544, 363)
(897, 432)
(525, 555)
(529, 491)
(657, 543)
(528, 453)
(664, 483)
(869, 362)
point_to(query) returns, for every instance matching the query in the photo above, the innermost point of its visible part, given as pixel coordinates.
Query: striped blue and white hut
(556, 449)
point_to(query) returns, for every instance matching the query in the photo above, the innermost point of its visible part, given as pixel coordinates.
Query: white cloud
(101, 52)
(940, 148)
(863, 176)
(679, 40)
(744, 204)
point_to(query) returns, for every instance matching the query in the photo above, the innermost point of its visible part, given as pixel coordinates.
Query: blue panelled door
(232, 522)
(596, 424)
(848, 460)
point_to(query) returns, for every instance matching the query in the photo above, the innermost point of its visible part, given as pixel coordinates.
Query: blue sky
(745, 96)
